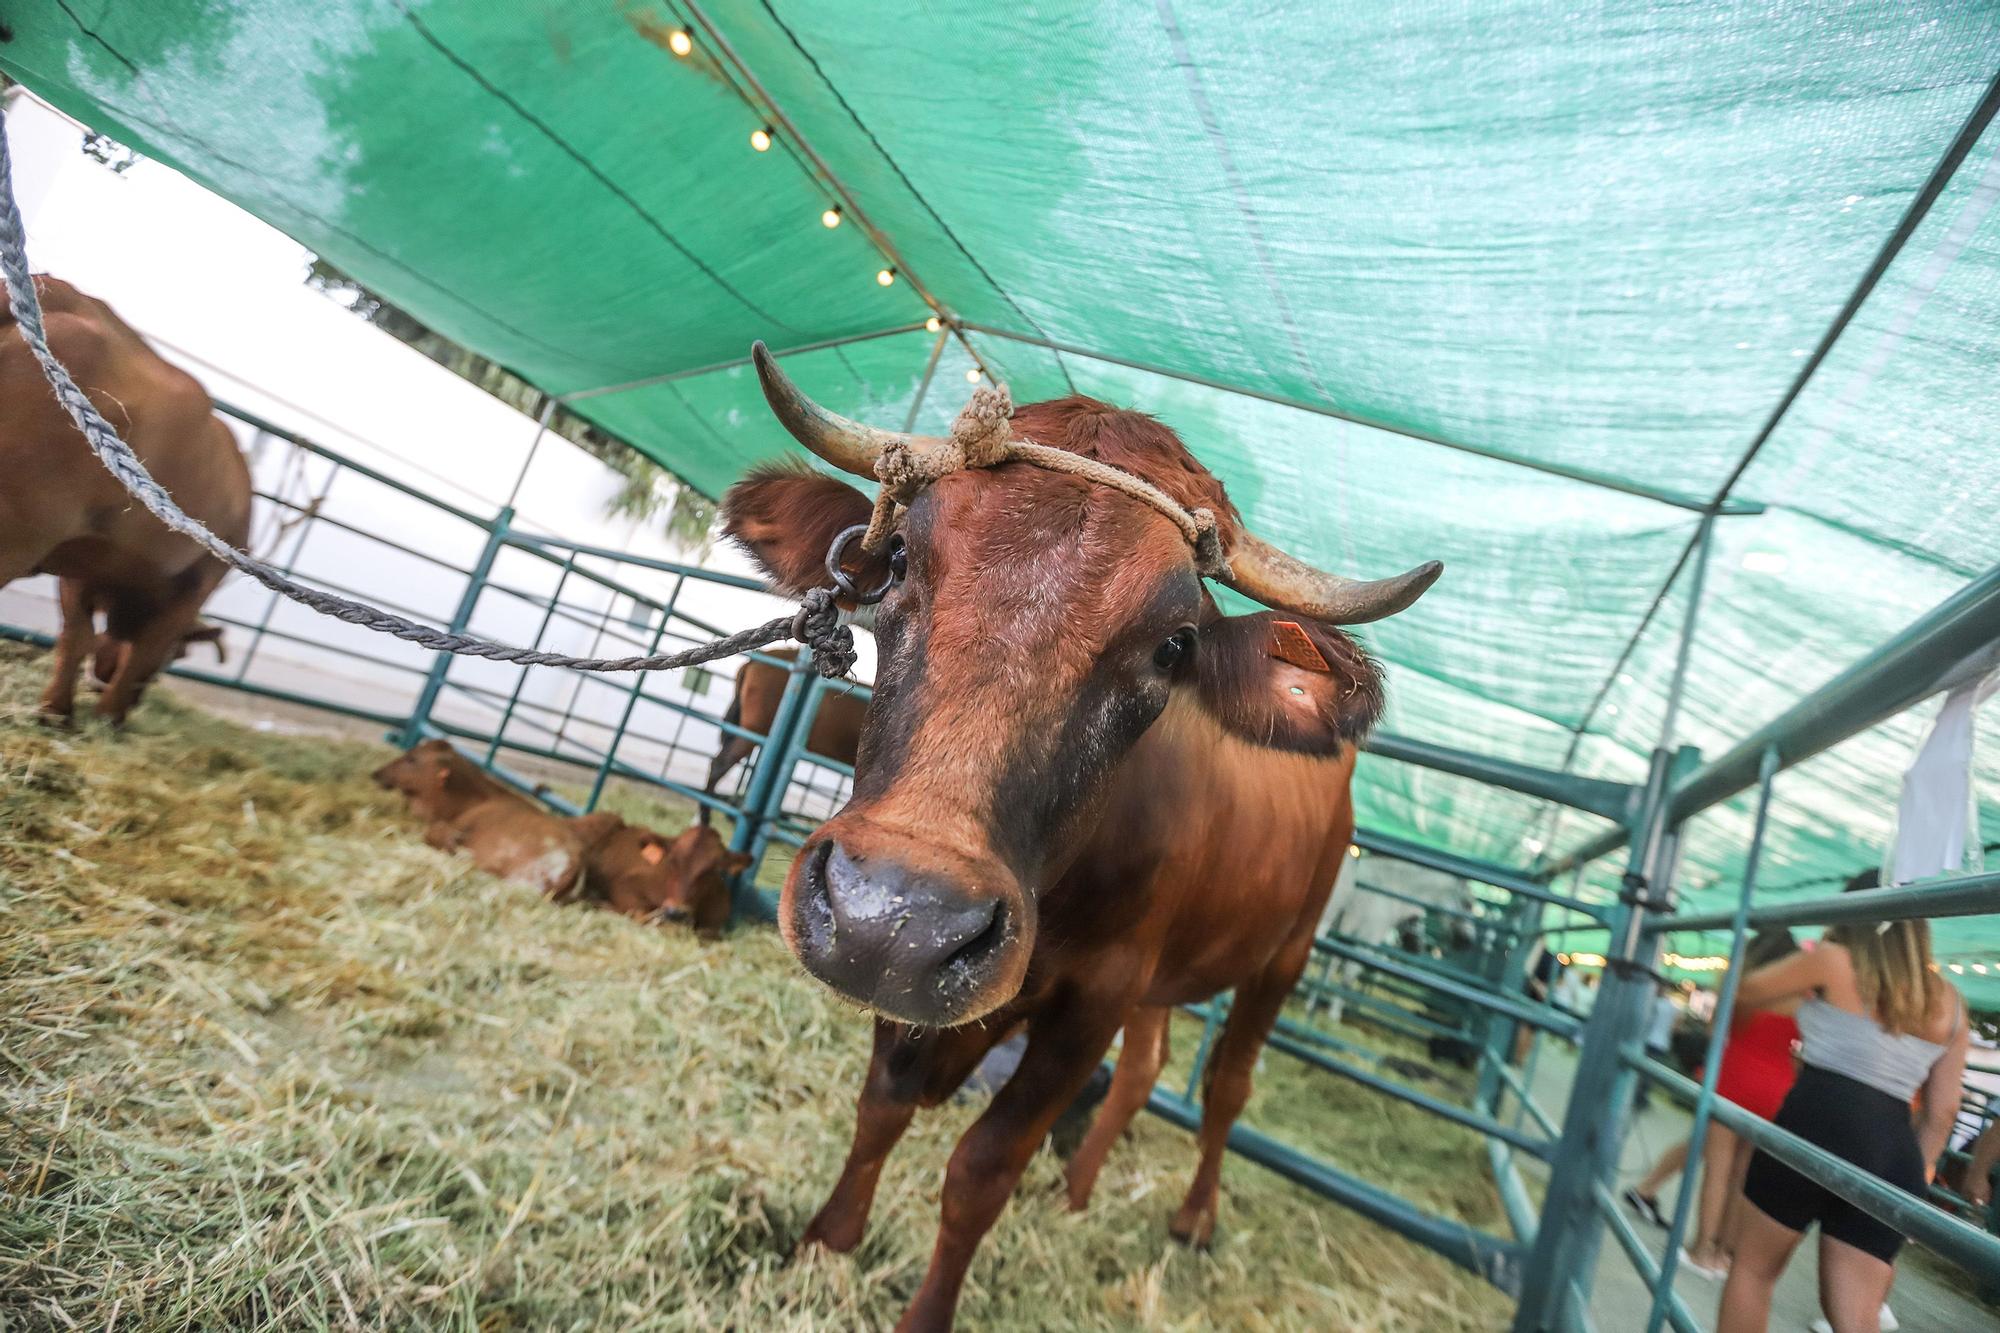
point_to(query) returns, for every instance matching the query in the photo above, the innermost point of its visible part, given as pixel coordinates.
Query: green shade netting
(1597, 239)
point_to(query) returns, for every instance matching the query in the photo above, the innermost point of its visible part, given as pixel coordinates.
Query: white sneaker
(1889, 1323)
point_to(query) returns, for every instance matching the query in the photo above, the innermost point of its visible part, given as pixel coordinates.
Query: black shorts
(1851, 1120)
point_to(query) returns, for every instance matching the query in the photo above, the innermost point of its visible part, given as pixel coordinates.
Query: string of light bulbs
(684, 42)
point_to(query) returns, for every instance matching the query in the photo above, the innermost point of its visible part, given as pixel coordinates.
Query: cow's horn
(1284, 582)
(848, 445)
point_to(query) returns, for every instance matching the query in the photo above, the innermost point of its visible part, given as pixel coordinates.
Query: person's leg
(1736, 1205)
(1762, 1251)
(1718, 1180)
(1852, 1286)
(1671, 1163)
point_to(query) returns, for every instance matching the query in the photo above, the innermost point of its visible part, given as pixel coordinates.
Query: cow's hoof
(835, 1235)
(1196, 1231)
(62, 719)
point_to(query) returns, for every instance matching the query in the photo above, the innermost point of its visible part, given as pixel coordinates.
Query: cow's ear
(786, 516)
(1281, 681)
(734, 863)
(652, 850)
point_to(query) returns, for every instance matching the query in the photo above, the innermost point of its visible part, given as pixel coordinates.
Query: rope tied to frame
(983, 436)
(816, 623)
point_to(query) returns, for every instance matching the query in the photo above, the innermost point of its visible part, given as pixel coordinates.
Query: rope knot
(902, 471)
(983, 429)
(817, 625)
(1209, 560)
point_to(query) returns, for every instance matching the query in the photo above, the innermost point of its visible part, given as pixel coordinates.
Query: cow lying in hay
(633, 870)
(1083, 796)
(465, 808)
(836, 728)
(61, 513)
(596, 858)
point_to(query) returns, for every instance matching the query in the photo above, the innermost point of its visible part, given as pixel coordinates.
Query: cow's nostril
(968, 956)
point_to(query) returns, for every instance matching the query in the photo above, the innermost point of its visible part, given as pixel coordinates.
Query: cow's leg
(731, 754)
(905, 1071)
(152, 647)
(1065, 1042)
(1227, 1088)
(74, 644)
(1139, 1063)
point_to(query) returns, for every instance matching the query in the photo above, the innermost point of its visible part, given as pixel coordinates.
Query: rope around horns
(982, 436)
(816, 623)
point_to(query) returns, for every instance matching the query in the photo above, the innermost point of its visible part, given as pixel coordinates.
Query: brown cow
(1083, 795)
(467, 809)
(836, 728)
(61, 513)
(648, 877)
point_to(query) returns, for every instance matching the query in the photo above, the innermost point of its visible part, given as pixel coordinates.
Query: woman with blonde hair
(1877, 1025)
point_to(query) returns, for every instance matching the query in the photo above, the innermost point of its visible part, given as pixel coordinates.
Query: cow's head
(424, 769)
(1036, 627)
(684, 879)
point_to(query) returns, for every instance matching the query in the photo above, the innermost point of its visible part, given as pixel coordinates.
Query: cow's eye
(899, 556)
(1175, 650)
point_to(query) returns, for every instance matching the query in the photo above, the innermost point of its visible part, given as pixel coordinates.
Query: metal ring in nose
(840, 577)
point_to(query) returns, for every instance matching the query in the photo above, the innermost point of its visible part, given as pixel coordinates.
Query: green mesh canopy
(1508, 284)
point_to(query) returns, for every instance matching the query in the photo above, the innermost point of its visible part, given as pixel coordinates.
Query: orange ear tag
(653, 853)
(1290, 643)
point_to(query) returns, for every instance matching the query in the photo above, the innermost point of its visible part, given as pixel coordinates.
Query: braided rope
(816, 624)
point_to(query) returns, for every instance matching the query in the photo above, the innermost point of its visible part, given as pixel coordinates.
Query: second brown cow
(836, 728)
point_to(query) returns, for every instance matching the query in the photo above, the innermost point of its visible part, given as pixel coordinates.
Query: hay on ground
(267, 1061)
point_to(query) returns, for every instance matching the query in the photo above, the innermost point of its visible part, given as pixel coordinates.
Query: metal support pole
(1725, 1007)
(924, 384)
(541, 429)
(765, 774)
(625, 717)
(1677, 687)
(514, 695)
(1211, 1019)
(306, 520)
(1566, 1244)
(475, 583)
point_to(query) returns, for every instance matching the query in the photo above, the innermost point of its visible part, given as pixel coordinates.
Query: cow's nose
(911, 945)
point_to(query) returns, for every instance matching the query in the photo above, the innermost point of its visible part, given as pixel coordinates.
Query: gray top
(1859, 1047)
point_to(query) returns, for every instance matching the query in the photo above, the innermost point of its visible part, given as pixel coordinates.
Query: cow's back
(61, 511)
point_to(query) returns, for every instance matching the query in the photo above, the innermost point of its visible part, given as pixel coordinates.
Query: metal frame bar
(1491, 1257)
(1718, 1037)
(1551, 1020)
(1597, 796)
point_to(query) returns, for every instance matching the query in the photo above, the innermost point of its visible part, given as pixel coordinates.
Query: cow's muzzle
(911, 945)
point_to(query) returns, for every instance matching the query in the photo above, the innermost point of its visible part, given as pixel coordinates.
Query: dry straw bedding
(267, 1061)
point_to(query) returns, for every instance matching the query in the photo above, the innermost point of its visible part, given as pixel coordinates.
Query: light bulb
(933, 324)
(830, 218)
(679, 42)
(972, 375)
(760, 139)
(885, 277)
